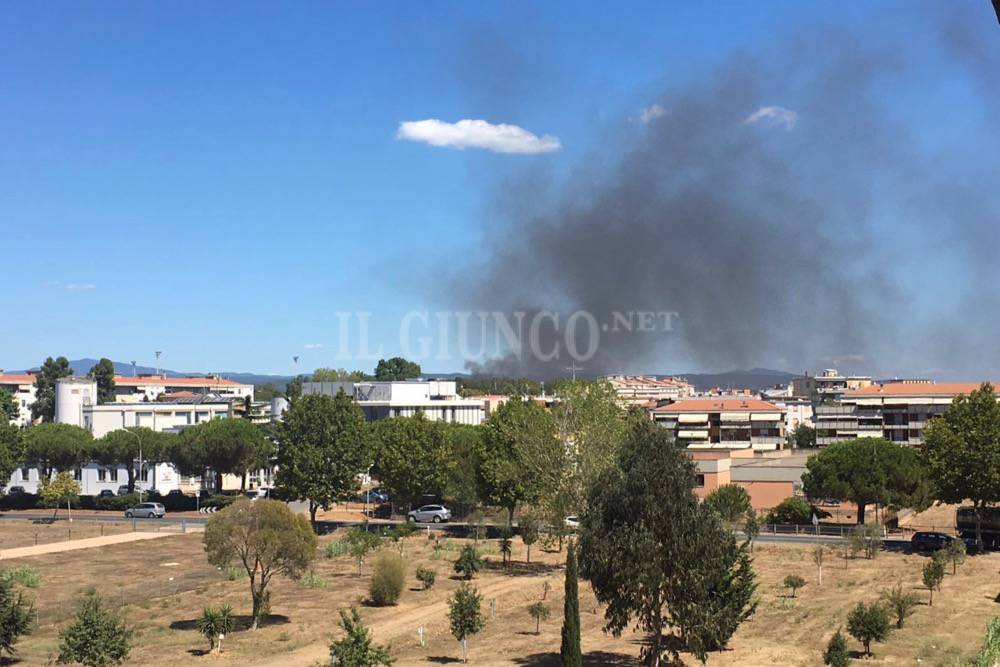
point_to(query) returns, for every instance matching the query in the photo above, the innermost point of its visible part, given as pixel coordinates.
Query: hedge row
(990, 657)
(172, 502)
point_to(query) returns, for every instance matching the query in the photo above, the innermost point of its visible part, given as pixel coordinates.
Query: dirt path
(400, 624)
(87, 543)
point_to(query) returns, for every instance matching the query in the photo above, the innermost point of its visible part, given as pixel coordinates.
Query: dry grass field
(25, 534)
(163, 585)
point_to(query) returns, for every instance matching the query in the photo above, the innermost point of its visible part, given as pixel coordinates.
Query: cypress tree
(570, 649)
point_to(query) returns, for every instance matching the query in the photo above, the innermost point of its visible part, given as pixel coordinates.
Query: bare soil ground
(164, 584)
(26, 533)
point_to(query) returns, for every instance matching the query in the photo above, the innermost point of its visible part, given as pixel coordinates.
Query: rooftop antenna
(574, 368)
(158, 353)
(133, 368)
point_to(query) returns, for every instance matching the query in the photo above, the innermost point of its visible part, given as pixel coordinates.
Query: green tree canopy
(323, 444)
(791, 510)
(227, 446)
(9, 409)
(339, 375)
(44, 407)
(51, 447)
(592, 425)
(465, 615)
(730, 502)
(396, 368)
(356, 649)
(868, 623)
(59, 490)
(803, 437)
(865, 471)
(16, 615)
(123, 447)
(962, 452)
(98, 637)
(569, 647)
(654, 555)
(523, 460)
(264, 537)
(103, 373)
(11, 451)
(412, 455)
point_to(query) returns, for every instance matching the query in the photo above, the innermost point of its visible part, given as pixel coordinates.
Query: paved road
(455, 529)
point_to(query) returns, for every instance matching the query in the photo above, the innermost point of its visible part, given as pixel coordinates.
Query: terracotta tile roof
(720, 405)
(915, 389)
(141, 381)
(17, 379)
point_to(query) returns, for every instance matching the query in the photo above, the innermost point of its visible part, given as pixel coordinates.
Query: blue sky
(217, 180)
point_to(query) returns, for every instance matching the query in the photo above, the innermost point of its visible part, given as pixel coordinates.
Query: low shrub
(990, 655)
(24, 575)
(469, 562)
(313, 580)
(336, 549)
(426, 577)
(388, 578)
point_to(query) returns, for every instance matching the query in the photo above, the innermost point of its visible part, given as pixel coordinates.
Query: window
(699, 481)
(144, 474)
(113, 476)
(200, 417)
(102, 475)
(77, 474)
(24, 474)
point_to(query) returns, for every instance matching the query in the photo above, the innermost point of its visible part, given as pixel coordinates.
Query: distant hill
(754, 378)
(83, 366)
(757, 379)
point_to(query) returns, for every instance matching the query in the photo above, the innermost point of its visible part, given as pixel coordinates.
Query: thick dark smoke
(793, 241)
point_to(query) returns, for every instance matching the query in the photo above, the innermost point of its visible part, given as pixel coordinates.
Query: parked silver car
(435, 513)
(145, 511)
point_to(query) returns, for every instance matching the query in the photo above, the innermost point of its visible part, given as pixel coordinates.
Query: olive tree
(264, 537)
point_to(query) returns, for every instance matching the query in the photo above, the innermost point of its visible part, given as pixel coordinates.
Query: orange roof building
(730, 423)
(896, 411)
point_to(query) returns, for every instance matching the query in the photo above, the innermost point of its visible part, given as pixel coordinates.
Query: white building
(437, 399)
(641, 389)
(76, 404)
(149, 387)
(22, 386)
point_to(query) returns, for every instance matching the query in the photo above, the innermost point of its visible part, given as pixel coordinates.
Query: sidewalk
(88, 543)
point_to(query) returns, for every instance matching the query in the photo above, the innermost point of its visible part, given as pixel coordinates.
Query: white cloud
(477, 134)
(773, 115)
(651, 113)
(71, 287)
(313, 346)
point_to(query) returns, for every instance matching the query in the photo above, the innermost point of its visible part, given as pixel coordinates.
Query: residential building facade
(640, 390)
(896, 411)
(22, 387)
(438, 400)
(829, 385)
(724, 423)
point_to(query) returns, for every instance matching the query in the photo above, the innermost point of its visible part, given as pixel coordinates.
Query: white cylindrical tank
(278, 406)
(72, 394)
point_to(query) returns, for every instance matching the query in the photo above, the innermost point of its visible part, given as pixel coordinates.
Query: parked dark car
(372, 497)
(106, 493)
(16, 491)
(929, 541)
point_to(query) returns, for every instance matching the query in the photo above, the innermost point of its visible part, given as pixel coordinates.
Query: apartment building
(724, 423)
(22, 387)
(438, 400)
(149, 387)
(829, 385)
(642, 390)
(896, 411)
